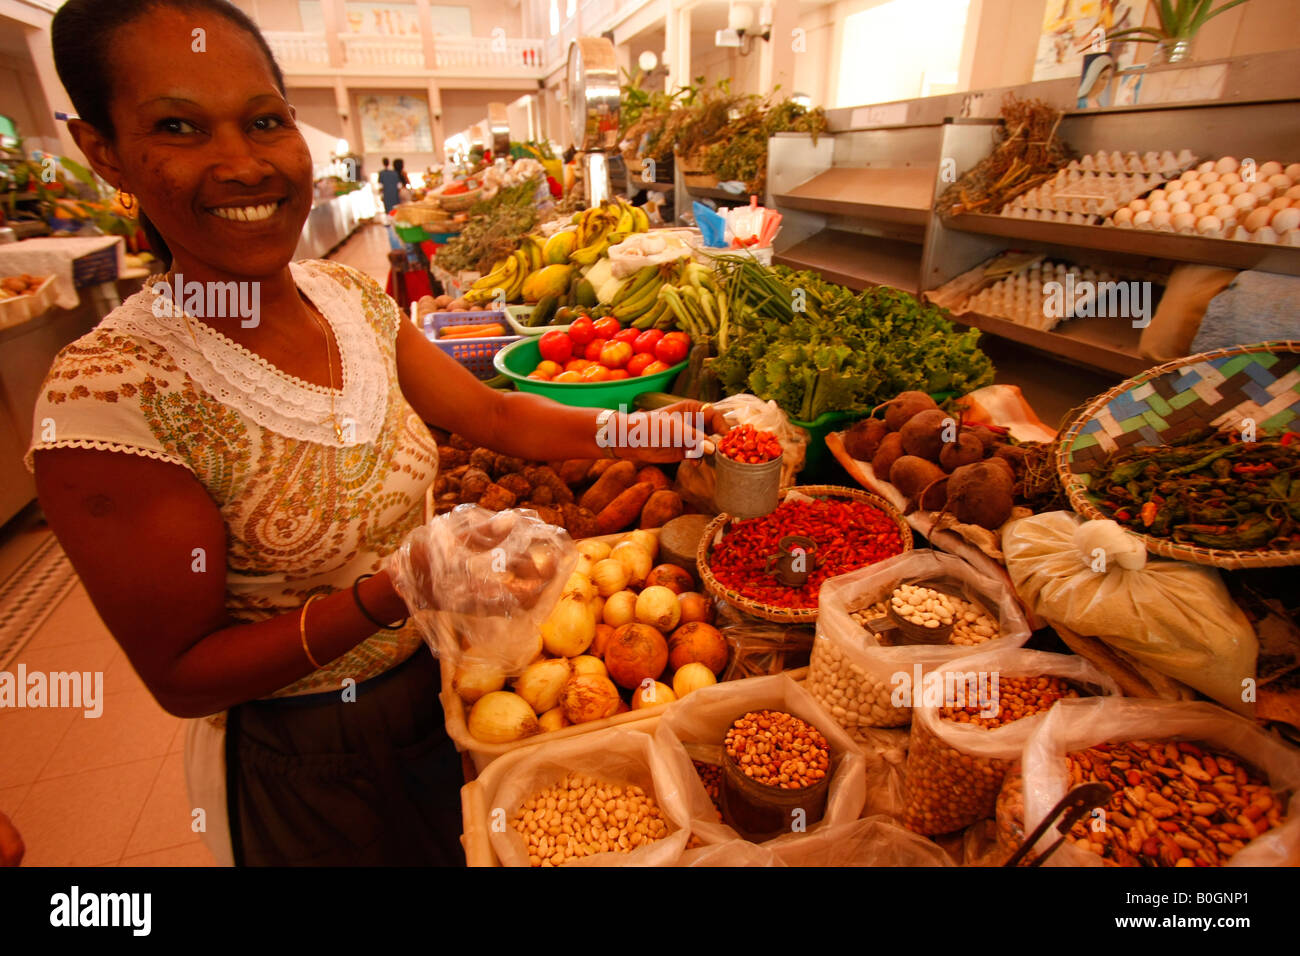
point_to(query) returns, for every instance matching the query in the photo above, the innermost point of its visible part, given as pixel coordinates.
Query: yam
(450, 457)
(616, 479)
(574, 471)
(624, 509)
(924, 433)
(542, 495)
(890, 450)
(543, 475)
(910, 474)
(966, 450)
(485, 459)
(459, 441)
(580, 522)
(497, 498)
(899, 410)
(662, 507)
(550, 515)
(506, 465)
(473, 483)
(980, 494)
(862, 441)
(655, 476)
(517, 484)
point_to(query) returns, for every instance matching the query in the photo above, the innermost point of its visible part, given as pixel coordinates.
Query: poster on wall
(1075, 28)
(386, 19)
(395, 122)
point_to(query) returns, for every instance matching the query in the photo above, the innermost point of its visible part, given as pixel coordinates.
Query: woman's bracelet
(302, 630)
(356, 596)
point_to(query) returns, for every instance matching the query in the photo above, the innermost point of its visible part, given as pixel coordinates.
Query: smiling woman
(231, 492)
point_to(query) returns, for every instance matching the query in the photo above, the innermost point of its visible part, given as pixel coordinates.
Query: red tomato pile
(749, 445)
(604, 351)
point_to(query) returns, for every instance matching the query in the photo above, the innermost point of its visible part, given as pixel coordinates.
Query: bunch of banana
(506, 280)
(696, 304)
(603, 226)
(638, 296)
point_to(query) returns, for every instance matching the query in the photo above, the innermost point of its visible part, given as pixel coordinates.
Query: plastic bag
(704, 716)
(1078, 724)
(955, 770)
(735, 852)
(758, 650)
(617, 756)
(695, 478)
(641, 249)
(1176, 617)
(480, 583)
(871, 841)
(865, 684)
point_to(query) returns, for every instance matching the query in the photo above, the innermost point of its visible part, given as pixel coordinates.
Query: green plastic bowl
(517, 360)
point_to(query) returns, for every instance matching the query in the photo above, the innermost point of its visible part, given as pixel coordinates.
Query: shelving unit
(856, 260)
(1097, 342)
(884, 194)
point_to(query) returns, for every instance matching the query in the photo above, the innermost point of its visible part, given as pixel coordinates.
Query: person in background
(390, 182)
(399, 167)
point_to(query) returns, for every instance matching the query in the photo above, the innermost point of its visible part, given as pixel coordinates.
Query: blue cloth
(1255, 307)
(390, 182)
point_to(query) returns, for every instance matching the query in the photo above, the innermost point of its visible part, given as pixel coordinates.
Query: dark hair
(81, 34)
(386, 162)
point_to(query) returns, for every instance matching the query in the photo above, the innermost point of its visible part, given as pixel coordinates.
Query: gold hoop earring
(126, 201)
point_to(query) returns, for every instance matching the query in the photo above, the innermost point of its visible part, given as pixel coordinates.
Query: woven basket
(460, 201)
(785, 615)
(1218, 389)
(418, 214)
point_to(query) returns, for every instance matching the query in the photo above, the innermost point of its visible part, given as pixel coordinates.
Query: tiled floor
(105, 791)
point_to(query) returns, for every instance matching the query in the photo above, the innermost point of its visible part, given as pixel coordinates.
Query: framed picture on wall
(395, 122)
(1075, 28)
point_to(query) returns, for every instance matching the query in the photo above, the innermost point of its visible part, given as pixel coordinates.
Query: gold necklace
(329, 364)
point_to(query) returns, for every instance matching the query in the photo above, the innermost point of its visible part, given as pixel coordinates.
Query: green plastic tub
(818, 459)
(517, 360)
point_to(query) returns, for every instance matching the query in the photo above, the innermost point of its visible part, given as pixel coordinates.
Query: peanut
(580, 817)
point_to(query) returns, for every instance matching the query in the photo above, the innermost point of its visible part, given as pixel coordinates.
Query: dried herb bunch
(495, 229)
(1030, 152)
(741, 153)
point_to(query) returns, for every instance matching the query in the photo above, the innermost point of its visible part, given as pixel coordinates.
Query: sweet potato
(655, 476)
(662, 507)
(549, 514)
(574, 471)
(599, 467)
(623, 510)
(616, 479)
(541, 495)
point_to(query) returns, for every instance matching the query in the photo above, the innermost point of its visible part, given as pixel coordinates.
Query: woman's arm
(528, 426)
(150, 547)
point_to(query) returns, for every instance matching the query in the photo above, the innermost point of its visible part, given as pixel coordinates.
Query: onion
(678, 580)
(619, 609)
(589, 697)
(553, 719)
(501, 718)
(698, 642)
(635, 652)
(692, 677)
(652, 694)
(695, 607)
(542, 683)
(570, 629)
(585, 564)
(473, 679)
(595, 550)
(610, 576)
(635, 559)
(587, 664)
(658, 607)
(579, 586)
(647, 541)
(597, 605)
(603, 633)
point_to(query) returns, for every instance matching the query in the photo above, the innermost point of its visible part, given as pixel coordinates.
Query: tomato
(595, 373)
(567, 377)
(549, 369)
(655, 367)
(576, 365)
(627, 335)
(637, 364)
(617, 373)
(608, 327)
(539, 376)
(645, 342)
(592, 351)
(555, 346)
(673, 347)
(581, 331)
(615, 354)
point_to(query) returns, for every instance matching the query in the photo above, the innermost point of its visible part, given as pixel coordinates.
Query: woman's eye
(270, 122)
(174, 125)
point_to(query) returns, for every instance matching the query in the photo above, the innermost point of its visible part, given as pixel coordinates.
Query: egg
(1293, 194)
(1217, 189)
(1271, 168)
(1225, 211)
(1236, 189)
(1283, 183)
(1285, 220)
(1207, 178)
(1180, 207)
(1183, 222)
(1123, 217)
(1264, 191)
(1293, 171)
(1264, 235)
(1241, 234)
(1158, 205)
(1161, 220)
(1245, 202)
(1206, 167)
(1258, 219)
(1194, 189)
(1137, 205)
(1209, 226)
(1226, 165)
(1229, 179)
(1176, 195)
(1203, 209)
(1142, 219)
(1156, 194)
(1187, 176)
(1281, 202)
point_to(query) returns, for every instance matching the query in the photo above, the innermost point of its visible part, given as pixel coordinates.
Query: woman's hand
(673, 433)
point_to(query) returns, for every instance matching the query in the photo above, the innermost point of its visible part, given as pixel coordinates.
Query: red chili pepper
(1244, 468)
(1148, 513)
(1289, 437)
(1123, 515)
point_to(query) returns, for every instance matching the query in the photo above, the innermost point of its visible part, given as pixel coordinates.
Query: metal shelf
(712, 192)
(1228, 253)
(857, 261)
(1096, 342)
(886, 194)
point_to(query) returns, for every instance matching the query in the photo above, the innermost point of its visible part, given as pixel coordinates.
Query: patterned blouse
(305, 512)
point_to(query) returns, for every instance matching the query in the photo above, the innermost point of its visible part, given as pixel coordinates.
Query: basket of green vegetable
(1200, 456)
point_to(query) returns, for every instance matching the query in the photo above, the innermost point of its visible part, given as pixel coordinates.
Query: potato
(662, 507)
(616, 479)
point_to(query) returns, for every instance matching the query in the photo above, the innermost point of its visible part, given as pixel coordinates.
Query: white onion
(553, 719)
(652, 694)
(635, 559)
(610, 576)
(586, 664)
(579, 586)
(658, 607)
(620, 609)
(570, 628)
(501, 718)
(542, 683)
(647, 541)
(692, 677)
(473, 679)
(596, 550)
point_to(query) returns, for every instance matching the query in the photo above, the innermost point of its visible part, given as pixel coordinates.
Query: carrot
(472, 331)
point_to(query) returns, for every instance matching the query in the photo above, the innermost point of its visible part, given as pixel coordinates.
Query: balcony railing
(385, 52)
(298, 49)
(511, 55)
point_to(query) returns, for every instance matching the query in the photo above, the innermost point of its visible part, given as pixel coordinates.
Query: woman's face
(207, 143)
